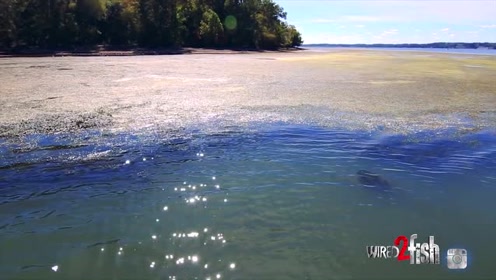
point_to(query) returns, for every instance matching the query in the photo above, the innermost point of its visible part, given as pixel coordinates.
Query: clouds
(322, 20)
(339, 38)
(448, 12)
(445, 32)
(363, 18)
(386, 36)
(389, 32)
(349, 19)
(405, 21)
(482, 11)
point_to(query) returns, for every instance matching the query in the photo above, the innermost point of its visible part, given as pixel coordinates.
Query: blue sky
(400, 21)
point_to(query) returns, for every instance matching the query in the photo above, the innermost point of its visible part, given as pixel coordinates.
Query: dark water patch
(17, 165)
(17, 224)
(47, 214)
(58, 123)
(103, 243)
(477, 148)
(31, 266)
(66, 227)
(47, 148)
(372, 180)
(36, 66)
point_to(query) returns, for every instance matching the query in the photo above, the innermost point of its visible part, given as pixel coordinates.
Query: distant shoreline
(440, 45)
(104, 51)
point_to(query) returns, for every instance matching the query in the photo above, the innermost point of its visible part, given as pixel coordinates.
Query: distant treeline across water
(439, 45)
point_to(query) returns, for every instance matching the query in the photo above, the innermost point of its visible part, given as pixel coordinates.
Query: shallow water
(270, 201)
(398, 92)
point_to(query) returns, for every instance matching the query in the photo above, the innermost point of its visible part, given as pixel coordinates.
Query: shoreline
(102, 51)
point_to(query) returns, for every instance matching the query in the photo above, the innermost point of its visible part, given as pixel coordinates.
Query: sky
(399, 21)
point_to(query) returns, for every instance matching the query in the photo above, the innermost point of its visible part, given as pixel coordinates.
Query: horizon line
(398, 43)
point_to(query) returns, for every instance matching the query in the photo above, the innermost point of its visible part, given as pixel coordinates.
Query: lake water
(277, 201)
(184, 167)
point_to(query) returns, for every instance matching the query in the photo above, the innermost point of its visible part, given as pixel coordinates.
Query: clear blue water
(278, 201)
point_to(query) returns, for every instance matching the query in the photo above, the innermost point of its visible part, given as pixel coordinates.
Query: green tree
(211, 29)
(131, 16)
(157, 23)
(116, 26)
(295, 37)
(8, 23)
(89, 16)
(189, 16)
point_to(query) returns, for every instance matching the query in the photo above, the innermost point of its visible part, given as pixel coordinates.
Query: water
(181, 167)
(269, 201)
(431, 50)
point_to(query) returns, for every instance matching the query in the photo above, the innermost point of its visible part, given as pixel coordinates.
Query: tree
(89, 14)
(189, 16)
(211, 29)
(155, 23)
(295, 38)
(131, 17)
(159, 22)
(8, 23)
(116, 27)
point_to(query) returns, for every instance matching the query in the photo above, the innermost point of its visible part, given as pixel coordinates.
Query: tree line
(259, 24)
(438, 45)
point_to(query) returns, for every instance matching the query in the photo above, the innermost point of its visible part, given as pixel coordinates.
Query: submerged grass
(345, 88)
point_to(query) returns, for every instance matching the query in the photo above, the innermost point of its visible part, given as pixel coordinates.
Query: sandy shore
(362, 89)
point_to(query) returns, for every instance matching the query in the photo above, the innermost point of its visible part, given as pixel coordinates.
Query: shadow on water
(430, 149)
(290, 200)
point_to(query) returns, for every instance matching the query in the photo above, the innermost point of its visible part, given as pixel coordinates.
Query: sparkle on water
(295, 208)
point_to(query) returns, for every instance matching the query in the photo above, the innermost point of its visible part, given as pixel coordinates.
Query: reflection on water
(281, 202)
